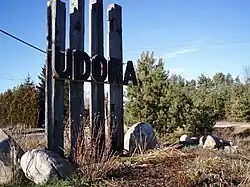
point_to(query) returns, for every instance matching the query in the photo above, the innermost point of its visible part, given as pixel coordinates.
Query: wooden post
(76, 89)
(97, 90)
(54, 87)
(114, 52)
(48, 83)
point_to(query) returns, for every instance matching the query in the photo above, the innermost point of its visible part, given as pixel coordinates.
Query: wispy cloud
(180, 52)
(177, 71)
(194, 46)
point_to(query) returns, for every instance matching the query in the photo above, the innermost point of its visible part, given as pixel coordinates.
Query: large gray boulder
(10, 154)
(139, 137)
(10, 149)
(6, 173)
(41, 166)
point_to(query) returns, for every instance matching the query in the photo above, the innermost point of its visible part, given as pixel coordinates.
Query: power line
(9, 78)
(20, 40)
(26, 43)
(168, 47)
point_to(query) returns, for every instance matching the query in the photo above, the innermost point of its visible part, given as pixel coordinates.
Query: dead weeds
(189, 167)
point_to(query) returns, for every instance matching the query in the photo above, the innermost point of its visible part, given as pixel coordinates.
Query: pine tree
(144, 100)
(41, 96)
(28, 81)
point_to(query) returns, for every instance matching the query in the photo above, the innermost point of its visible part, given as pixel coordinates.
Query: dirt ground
(160, 169)
(168, 167)
(160, 174)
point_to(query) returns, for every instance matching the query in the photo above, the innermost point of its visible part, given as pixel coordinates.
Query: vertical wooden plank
(76, 89)
(55, 87)
(97, 90)
(115, 103)
(48, 81)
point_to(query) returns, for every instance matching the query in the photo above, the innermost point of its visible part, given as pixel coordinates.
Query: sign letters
(79, 66)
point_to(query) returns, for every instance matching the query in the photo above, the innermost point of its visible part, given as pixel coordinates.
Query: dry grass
(26, 140)
(214, 168)
(167, 166)
(92, 155)
(189, 167)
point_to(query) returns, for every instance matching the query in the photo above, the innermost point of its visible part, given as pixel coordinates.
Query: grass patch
(215, 168)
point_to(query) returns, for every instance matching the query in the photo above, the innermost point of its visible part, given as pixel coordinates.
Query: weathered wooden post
(97, 90)
(76, 66)
(54, 97)
(114, 52)
(76, 89)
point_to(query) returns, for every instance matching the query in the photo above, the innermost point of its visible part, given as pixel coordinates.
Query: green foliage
(145, 101)
(41, 87)
(170, 103)
(41, 96)
(76, 181)
(238, 105)
(174, 106)
(19, 105)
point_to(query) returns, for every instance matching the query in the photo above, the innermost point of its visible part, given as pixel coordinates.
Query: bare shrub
(93, 158)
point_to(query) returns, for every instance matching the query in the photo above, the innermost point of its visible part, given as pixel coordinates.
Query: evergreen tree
(41, 96)
(204, 82)
(229, 79)
(238, 105)
(145, 100)
(157, 99)
(28, 81)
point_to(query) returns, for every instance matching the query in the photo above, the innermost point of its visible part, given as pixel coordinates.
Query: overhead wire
(173, 46)
(20, 40)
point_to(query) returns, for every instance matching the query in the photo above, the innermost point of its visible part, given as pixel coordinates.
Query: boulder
(10, 154)
(10, 149)
(41, 166)
(231, 149)
(6, 173)
(4, 141)
(212, 141)
(189, 140)
(140, 137)
(201, 141)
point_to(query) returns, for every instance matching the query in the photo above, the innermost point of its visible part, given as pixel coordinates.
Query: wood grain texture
(76, 89)
(115, 91)
(55, 87)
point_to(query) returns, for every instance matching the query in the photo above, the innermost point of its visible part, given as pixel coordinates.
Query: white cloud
(194, 46)
(179, 52)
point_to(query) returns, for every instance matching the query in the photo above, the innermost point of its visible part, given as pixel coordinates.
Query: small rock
(231, 149)
(41, 166)
(189, 140)
(140, 137)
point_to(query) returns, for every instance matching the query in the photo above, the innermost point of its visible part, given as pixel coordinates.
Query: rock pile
(208, 142)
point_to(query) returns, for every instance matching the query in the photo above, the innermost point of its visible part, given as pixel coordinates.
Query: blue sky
(192, 36)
